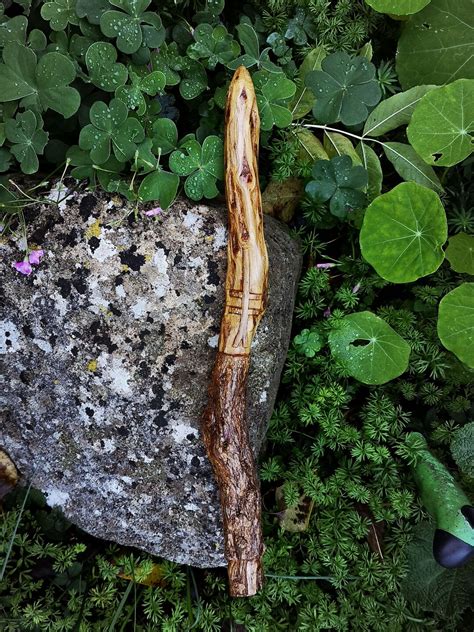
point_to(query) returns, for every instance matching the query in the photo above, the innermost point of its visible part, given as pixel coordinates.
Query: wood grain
(224, 426)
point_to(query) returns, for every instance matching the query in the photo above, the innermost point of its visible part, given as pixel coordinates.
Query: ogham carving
(224, 427)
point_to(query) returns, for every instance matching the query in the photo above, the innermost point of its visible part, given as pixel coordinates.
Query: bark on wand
(224, 426)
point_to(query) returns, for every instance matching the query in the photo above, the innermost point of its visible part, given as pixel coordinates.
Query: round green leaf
(460, 253)
(165, 135)
(103, 71)
(442, 124)
(436, 45)
(456, 322)
(370, 350)
(403, 233)
(159, 186)
(398, 7)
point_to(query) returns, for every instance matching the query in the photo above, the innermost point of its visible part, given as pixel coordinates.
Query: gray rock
(109, 345)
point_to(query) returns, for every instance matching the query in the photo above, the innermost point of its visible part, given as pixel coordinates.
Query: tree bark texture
(224, 427)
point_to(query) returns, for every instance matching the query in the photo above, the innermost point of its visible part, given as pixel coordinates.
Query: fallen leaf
(8, 474)
(280, 199)
(294, 519)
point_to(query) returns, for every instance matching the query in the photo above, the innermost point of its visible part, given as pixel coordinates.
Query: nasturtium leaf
(436, 44)
(132, 25)
(341, 183)
(213, 44)
(339, 145)
(303, 99)
(104, 72)
(168, 61)
(60, 13)
(273, 90)
(344, 88)
(442, 126)
(369, 349)
(398, 7)
(308, 342)
(165, 136)
(394, 111)
(252, 56)
(28, 138)
(456, 322)
(13, 30)
(403, 233)
(142, 82)
(460, 253)
(202, 165)
(110, 127)
(194, 80)
(300, 27)
(92, 9)
(410, 166)
(371, 163)
(159, 186)
(43, 83)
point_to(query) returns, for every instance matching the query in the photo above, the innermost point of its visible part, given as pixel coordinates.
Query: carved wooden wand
(225, 430)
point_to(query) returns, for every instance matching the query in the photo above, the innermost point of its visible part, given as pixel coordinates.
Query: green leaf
(403, 233)
(339, 145)
(344, 89)
(43, 83)
(165, 136)
(462, 448)
(273, 90)
(371, 163)
(60, 13)
(133, 25)
(460, 253)
(456, 322)
(308, 342)
(92, 9)
(215, 45)
(338, 181)
(394, 111)
(448, 592)
(398, 7)
(252, 57)
(442, 126)
(168, 61)
(160, 186)
(304, 98)
(410, 166)
(369, 349)
(104, 72)
(13, 30)
(300, 28)
(202, 166)
(5, 159)
(436, 45)
(142, 82)
(194, 80)
(28, 138)
(110, 127)
(311, 147)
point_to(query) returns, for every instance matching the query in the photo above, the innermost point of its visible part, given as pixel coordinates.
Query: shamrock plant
(133, 26)
(28, 139)
(203, 166)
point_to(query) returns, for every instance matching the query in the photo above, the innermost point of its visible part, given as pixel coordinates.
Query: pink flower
(356, 288)
(327, 312)
(153, 211)
(323, 266)
(23, 266)
(35, 256)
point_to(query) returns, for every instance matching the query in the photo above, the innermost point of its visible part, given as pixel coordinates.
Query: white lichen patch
(56, 497)
(263, 397)
(196, 262)
(112, 486)
(120, 291)
(180, 430)
(140, 308)
(160, 261)
(118, 376)
(220, 238)
(9, 337)
(213, 341)
(105, 250)
(43, 345)
(193, 222)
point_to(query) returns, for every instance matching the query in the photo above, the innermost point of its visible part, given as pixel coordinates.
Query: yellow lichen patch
(124, 268)
(93, 230)
(92, 365)
(148, 258)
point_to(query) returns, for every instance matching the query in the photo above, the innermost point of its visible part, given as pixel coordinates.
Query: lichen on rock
(108, 347)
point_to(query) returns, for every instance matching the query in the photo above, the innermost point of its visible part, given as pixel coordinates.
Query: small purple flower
(23, 266)
(35, 256)
(154, 211)
(327, 312)
(323, 266)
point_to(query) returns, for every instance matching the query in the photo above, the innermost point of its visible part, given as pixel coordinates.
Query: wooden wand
(224, 427)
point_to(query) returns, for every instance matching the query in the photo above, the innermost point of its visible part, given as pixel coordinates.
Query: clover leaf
(165, 136)
(344, 89)
(338, 181)
(41, 84)
(194, 80)
(370, 350)
(300, 28)
(133, 25)
(202, 164)
(273, 91)
(60, 13)
(252, 57)
(168, 61)
(143, 82)
(160, 186)
(92, 9)
(110, 127)
(104, 72)
(28, 138)
(13, 29)
(84, 167)
(215, 45)
(308, 342)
